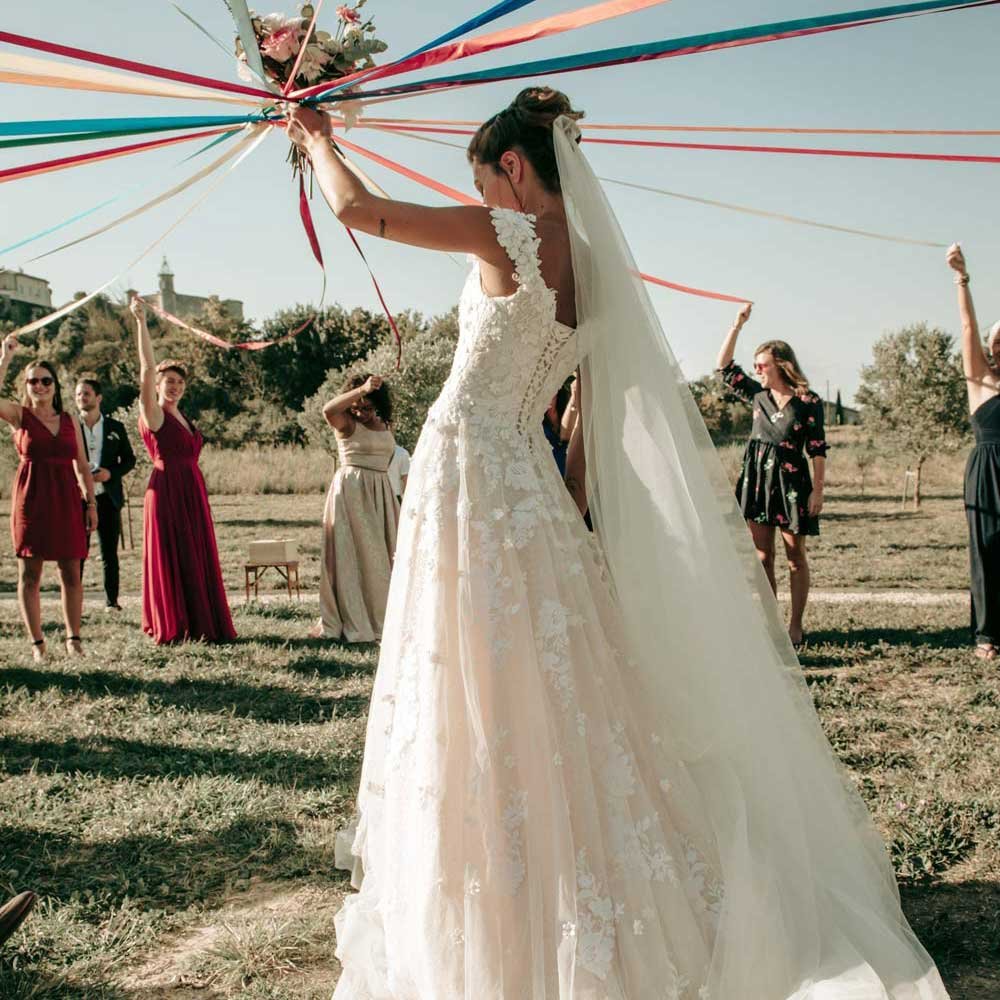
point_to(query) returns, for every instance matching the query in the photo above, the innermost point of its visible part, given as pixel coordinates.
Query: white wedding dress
(531, 824)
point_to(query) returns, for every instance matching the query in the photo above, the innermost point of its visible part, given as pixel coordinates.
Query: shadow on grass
(267, 522)
(162, 873)
(18, 983)
(261, 702)
(862, 638)
(110, 757)
(959, 924)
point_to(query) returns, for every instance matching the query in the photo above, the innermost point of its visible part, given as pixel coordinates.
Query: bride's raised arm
(466, 229)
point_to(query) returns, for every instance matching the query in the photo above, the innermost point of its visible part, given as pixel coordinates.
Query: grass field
(176, 808)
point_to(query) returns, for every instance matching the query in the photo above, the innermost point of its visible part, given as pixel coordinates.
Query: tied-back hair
(172, 365)
(380, 398)
(57, 403)
(525, 125)
(784, 358)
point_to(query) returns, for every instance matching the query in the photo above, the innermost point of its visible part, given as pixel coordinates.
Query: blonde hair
(787, 363)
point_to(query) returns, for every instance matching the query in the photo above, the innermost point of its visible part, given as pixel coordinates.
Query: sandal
(38, 650)
(74, 645)
(986, 651)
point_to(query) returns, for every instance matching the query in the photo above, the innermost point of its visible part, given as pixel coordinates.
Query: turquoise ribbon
(57, 126)
(108, 201)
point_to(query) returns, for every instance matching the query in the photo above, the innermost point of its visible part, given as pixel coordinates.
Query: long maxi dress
(527, 827)
(183, 595)
(359, 537)
(982, 509)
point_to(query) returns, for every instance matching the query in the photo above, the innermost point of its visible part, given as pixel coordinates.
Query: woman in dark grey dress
(775, 489)
(982, 473)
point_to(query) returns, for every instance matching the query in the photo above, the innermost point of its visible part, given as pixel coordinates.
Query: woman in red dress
(183, 596)
(47, 520)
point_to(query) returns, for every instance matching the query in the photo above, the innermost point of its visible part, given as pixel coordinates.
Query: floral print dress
(775, 484)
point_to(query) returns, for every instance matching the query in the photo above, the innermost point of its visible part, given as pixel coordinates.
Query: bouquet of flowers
(288, 47)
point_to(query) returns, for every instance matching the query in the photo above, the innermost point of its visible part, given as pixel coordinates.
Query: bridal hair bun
(172, 365)
(525, 125)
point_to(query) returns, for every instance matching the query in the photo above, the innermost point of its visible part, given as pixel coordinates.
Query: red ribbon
(468, 200)
(65, 162)
(730, 148)
(246, 345)
(136, 67)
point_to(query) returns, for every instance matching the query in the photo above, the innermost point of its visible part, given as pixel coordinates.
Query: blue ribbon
(495, 12)
(650, 50)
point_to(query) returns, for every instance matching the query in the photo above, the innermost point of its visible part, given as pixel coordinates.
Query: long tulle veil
(811, 907)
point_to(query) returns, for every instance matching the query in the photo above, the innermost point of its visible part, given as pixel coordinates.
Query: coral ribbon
(465, 199)
(64, 163)
(669, 48)
(144, 69)
(452, 51)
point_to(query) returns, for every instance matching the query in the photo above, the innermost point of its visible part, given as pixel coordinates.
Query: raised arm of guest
(9, 410)
(337, 412)
(728, 348)
(149, 404)
(981, 380)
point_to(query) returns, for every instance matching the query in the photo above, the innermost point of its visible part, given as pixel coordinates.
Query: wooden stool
(289, 572)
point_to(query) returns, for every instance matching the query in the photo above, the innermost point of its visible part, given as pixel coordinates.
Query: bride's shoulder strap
(516, 234)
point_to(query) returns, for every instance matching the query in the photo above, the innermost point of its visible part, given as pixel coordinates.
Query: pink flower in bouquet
(282, 44)
(348, 14)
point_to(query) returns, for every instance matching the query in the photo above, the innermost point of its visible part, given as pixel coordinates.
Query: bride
(578, 784)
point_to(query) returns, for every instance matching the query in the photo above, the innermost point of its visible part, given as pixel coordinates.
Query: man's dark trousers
(109, 532)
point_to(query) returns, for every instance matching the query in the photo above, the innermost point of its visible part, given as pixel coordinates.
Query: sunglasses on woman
(45, 380)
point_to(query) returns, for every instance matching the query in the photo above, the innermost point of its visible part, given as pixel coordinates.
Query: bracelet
(92, 503)
(962, 279)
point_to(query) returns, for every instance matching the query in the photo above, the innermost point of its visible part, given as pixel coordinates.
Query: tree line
(912, 393)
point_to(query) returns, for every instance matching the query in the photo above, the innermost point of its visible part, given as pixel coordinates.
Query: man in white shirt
(110, 454)
(399, 470)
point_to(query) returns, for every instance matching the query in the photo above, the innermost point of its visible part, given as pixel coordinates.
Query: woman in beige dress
(361, 514)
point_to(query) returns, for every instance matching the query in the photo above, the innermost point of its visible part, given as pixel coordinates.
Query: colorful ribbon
(669, 48)
(144, 69)
(108, 201)
(730, 148)
(64, 163)
(59, 126)
(453, 51)
(158, 200)
(465, 199)
(30, 71)
(211, 338)
(83, 300)
(749, 129)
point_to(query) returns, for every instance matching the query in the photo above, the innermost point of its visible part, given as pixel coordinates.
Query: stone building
(187, 306)
(25, 297)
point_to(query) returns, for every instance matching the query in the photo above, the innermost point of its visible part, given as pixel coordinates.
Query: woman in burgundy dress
(48, 520)
(183, 596)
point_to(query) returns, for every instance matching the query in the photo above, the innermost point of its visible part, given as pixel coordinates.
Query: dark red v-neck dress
(183, 596)
(47, 515)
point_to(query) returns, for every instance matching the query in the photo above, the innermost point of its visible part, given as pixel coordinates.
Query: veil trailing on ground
(811, 907)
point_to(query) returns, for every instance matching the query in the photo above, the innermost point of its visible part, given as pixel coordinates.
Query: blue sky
(830, 295)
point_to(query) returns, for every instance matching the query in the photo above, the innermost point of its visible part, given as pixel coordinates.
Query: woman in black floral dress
(775, 489)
